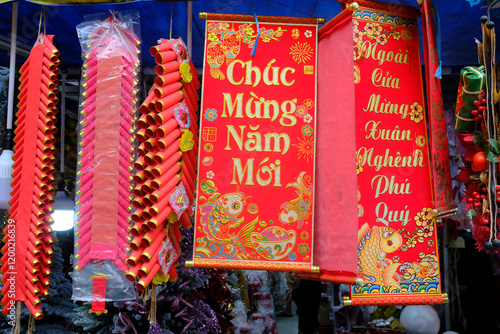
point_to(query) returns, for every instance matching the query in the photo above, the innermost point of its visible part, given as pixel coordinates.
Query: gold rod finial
(354, 6)
(321, 20)
(347, 301)
(359, 281)
(189, 264)
(315, 269)
(202, 15)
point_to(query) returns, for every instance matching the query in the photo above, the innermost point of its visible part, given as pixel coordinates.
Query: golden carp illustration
(298, 209)
(221, 216)
(373, 246)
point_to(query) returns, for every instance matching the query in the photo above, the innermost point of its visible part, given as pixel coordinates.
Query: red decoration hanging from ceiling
(28, 236)
(165, 167)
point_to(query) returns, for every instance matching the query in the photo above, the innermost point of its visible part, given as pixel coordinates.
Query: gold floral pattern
(371, 31)
(226, 42)
(359, 165)
(416, 112)
(308, 103)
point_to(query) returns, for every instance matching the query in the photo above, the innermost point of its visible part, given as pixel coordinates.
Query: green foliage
(492, 150)
(479, 139)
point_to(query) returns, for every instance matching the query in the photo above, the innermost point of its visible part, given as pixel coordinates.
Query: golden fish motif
(298, 209)
(373, 246)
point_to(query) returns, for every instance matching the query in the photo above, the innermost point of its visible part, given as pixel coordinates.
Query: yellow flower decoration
(416, 112)
(428, 213)
(411, 243)
(187, 141)
(359, 165)
(172, 218)
(186, 74)
(212, 37)
(160, 278)
(424, 217)
(428, 231)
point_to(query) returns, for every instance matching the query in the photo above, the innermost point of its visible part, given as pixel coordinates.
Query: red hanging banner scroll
(336, 207)
(441, 177)
(397, 242)
(255, 194)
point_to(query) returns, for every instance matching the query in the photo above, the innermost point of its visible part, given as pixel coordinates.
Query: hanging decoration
(476, 125)
(27, 252)
(258, 129)
(108, 113)
(335, 194)
(438, 138)
(397, 254)
(165, 168)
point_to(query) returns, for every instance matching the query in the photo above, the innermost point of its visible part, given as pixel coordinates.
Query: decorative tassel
(145, 294)
(17, 325)
(154, 327)
(31, 324)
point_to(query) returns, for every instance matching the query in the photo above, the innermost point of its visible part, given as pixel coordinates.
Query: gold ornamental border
(392, 8)
(397, 299)
(246, 265)
(261, 18)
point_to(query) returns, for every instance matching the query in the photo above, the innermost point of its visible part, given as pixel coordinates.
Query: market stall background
(457, 33)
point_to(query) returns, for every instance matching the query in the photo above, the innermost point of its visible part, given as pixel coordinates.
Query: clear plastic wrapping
(107, 111)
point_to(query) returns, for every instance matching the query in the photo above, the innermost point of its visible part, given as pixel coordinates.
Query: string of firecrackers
(26, 269)
(165, 177)
(476, 124)
(125, 48)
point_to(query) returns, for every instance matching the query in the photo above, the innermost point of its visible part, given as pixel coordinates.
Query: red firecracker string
(165, 177)
(28, 237)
